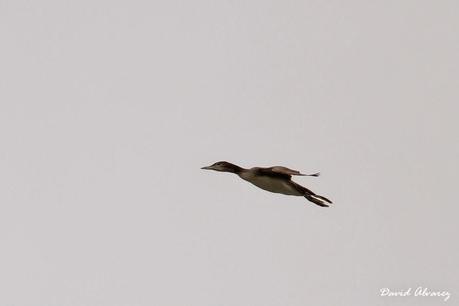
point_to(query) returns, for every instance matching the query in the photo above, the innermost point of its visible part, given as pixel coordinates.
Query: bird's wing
(269, 172)
(280, 171)
(285, 170)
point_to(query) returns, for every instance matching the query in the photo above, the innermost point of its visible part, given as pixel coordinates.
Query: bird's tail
(317, 199)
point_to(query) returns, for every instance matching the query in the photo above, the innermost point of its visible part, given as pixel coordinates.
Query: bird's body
(274, 179)
(271, 183)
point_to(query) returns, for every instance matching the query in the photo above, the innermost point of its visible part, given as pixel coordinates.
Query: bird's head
(223, 166)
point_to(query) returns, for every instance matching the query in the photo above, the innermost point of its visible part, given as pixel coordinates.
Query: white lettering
(420, 291)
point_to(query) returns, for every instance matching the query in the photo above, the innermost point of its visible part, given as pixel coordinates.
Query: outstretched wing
(283, 172)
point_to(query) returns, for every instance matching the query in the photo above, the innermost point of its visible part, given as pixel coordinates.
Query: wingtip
(314, 174)
(319, 200)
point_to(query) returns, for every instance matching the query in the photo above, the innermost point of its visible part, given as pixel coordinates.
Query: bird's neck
(235, 169)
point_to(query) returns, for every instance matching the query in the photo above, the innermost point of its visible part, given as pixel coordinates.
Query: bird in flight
(274, 179)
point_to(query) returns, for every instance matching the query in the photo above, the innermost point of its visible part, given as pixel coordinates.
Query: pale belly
(273, 184)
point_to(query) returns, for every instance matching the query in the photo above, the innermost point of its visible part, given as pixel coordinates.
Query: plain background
(109, 109)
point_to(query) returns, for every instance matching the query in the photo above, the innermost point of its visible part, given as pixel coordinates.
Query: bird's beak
(207, 168)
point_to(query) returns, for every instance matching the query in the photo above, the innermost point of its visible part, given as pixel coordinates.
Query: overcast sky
(108, 109)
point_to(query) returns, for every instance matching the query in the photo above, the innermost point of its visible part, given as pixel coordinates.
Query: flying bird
(274, 179)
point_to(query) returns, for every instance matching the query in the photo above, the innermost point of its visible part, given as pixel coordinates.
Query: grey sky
(108, 109)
